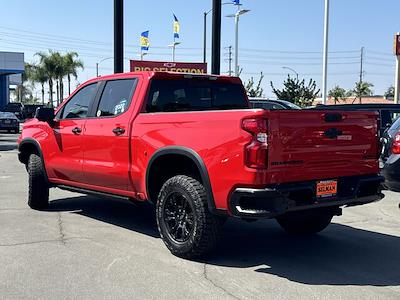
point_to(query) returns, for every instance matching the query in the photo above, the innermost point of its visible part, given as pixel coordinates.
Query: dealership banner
(182, 67)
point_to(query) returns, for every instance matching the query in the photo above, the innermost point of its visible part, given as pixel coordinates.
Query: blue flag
(144, 41)
(236, 2)
(177, 27)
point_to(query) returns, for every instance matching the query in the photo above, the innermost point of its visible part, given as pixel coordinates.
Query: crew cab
(191, 145)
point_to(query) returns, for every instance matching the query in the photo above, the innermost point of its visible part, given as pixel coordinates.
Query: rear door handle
(118, 130)
(76, 130)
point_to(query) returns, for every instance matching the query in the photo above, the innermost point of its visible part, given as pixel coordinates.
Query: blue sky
(272, 35)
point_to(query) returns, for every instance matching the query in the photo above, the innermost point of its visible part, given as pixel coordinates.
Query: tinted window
(77, 107)
(194, 94)
(116, 97)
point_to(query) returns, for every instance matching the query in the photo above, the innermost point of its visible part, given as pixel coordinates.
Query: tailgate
(307, 145)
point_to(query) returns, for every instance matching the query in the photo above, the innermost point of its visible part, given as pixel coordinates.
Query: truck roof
(165, 75)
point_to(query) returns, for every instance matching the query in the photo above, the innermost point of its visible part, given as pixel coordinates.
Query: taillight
(396, 144)
(256, 152)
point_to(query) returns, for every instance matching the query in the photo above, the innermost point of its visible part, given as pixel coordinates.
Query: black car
(390, 158)
(387, 112)
(16, 108)
(271, 104)
(9, 122)
(30, 110)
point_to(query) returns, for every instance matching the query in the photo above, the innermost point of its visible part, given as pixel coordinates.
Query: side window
(116, 97)
(78, 106)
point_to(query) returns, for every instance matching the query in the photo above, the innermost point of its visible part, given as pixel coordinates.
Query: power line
(299, 52)
(296, 63)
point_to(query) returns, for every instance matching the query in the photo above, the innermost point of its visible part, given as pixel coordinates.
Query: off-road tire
(207, 227)
(38, 194)
(305, 223)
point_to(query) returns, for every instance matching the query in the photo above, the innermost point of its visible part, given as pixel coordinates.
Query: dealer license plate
(326, 188)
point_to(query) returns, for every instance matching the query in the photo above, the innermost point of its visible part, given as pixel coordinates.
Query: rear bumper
(277, 200)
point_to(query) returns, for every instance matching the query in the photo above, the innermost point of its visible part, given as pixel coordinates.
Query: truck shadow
(340, 255)
(139, 218)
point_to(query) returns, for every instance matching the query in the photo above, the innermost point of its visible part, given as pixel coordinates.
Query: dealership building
(11, 68)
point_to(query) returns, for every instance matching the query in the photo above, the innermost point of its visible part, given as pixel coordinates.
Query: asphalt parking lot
(90, 248)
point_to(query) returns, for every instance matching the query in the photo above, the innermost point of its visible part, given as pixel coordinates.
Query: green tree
(337, 93)
(389, 92)
(59, 73)
(72, 64)
(254, 91)
(49, 65)
(40, 76)
(297, 92)
(362, 89)
(24, 90)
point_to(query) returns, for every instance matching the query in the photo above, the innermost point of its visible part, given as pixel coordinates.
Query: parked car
(30, 110)
(387, 112)
(266, 103)
(9, 122)
(191, 145)
(16, 108)
(390, 158)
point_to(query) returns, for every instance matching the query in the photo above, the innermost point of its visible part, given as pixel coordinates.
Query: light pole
(325, 52)
(142, 54)
(118, 36)
(205, 14)
(293, 70)
(237, 16)
(173, 46)
(111, 57)
(97, 64)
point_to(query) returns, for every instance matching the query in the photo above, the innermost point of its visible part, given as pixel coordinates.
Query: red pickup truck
(191, 145)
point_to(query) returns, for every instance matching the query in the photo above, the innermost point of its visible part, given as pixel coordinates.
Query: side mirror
(45, 114)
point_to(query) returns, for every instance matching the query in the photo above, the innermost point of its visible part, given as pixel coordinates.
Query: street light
(205, 30)
(142, 54)
(236, 16)
(173, 46)
(97, 64)
(294, 71)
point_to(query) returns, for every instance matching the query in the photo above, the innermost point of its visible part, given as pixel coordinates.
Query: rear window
(194, 95)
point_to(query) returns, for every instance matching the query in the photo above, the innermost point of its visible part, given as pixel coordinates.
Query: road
(85, 247)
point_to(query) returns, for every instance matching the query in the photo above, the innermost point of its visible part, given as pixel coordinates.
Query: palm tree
(337, 93)
(72, 64)
(39, 75)
(22, 90)
(59, 73)
(362, 89)
(49, 66)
